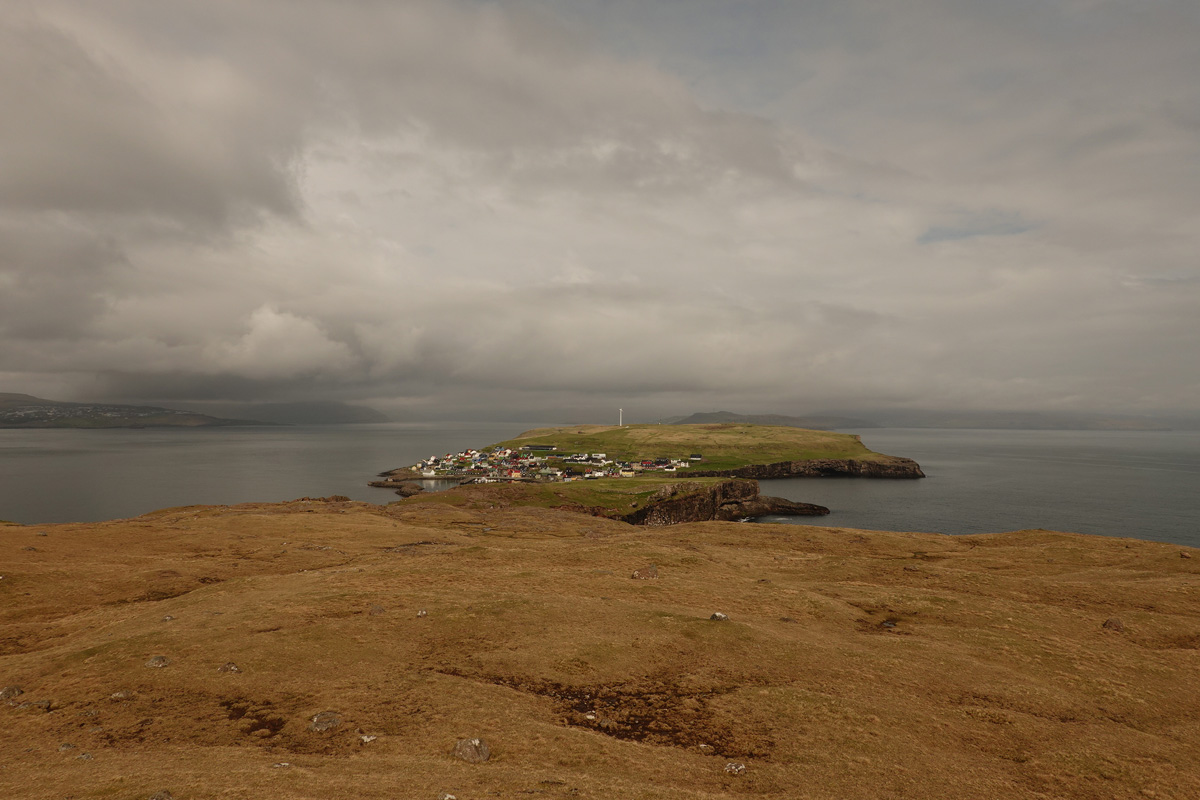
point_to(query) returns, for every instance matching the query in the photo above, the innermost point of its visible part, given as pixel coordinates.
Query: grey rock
(42, 533)
(84, 757)
(1184, 554)
(325, 721)
(121, 695)
(44, 705)
(229, 666)
(422, 613)
(719, 617)
(473, 751)
(646, 573)
(33, 549)
(9, 692)
(163, 795)
(375, 611)
(446, 796)
(735, 768)
(158, 662)
(65, 746)
(167, 618)
(1114, 624)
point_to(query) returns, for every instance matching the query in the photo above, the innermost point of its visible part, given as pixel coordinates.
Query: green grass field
(724, 446)
(614, 496)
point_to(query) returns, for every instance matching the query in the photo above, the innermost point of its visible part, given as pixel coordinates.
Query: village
(540, 463)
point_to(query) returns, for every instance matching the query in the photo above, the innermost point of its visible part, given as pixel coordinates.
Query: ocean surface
(1144, 485)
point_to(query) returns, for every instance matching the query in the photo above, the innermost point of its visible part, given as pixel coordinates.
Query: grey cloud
(453, 207)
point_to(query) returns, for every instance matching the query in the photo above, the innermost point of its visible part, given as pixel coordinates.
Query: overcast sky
(460, 208)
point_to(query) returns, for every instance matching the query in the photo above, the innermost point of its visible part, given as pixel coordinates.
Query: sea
(1138, 484)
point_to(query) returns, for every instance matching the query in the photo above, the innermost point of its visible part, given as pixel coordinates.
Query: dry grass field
(853, 664)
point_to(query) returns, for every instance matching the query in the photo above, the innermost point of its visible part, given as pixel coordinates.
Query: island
(648, 474)
(27, 411)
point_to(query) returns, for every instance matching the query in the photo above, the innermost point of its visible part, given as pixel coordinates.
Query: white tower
(620, 418)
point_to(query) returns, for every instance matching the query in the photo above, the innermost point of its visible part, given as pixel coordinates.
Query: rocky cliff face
(894, 467)
(728, 500)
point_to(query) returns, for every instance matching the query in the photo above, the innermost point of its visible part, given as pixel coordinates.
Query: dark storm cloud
(444, 206)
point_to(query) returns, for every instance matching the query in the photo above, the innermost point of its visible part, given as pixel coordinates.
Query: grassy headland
(723, 446)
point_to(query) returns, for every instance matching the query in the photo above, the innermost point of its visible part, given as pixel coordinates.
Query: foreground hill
(27, 411)
(853, 664)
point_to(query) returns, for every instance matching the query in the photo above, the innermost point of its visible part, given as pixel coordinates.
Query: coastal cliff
(728, 500)
(893, 467)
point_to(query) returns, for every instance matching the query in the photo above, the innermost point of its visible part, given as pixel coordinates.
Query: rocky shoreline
(728, 500)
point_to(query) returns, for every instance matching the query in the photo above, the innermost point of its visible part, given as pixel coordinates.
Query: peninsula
(27, 411)
(648, 474)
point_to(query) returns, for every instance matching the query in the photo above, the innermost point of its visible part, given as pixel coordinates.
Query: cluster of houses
(535, 462)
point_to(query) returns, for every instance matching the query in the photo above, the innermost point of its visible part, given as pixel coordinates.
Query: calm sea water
(1144, 485)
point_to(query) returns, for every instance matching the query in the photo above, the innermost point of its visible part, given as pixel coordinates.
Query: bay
(1138, 484)
(91, 475)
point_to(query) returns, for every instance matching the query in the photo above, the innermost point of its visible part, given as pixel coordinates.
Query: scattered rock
(84, 757)
(888, 623)
(157, 662)
(163, 795)
(377, 610)
(229, 666)
(719, 617)
(33, 549)
(735, 768)
(121, 695)
(446, 796)
(1182, 553)
(281, 765)
(707, 749)
(326, 720)
(9, 692)
(912, 569)
(167, 618)
(647, 573)
(65, 746)
(473, 751)
(787, 619)
(422, 613)
(89, 712)
(44, 705)
(1114, 624)
(367, 738)
(42, 533)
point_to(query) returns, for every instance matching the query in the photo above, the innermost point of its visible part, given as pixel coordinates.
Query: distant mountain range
(27, 411)
(994, 420)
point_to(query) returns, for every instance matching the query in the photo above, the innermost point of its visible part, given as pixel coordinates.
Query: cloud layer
(450, 208)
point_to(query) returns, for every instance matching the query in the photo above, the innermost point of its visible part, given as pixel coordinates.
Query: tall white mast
(620, 418)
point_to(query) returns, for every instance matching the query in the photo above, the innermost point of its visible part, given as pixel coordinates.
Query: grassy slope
(997, 679)
(616, 496)
(724, 446)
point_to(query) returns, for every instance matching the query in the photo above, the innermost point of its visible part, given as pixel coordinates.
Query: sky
(557, 208)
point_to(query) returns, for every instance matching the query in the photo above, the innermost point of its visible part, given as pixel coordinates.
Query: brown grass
(992, 678)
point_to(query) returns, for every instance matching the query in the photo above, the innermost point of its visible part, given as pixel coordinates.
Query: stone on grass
(229, 666)
(121, 695)
(719, 617)
(84, 757)
(646, 573)
(422, 613)
(375, 611)
(1184, 554)
(446, 796)
(158, 662)
(1114, 624)
(9, 692)
(367, 738)
(735, 768)
(65, 746)
(325, 721)
(163, 795)
(473, 751)
(167, 618)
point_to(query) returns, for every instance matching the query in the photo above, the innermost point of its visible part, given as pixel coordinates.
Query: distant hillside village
(533, 462)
